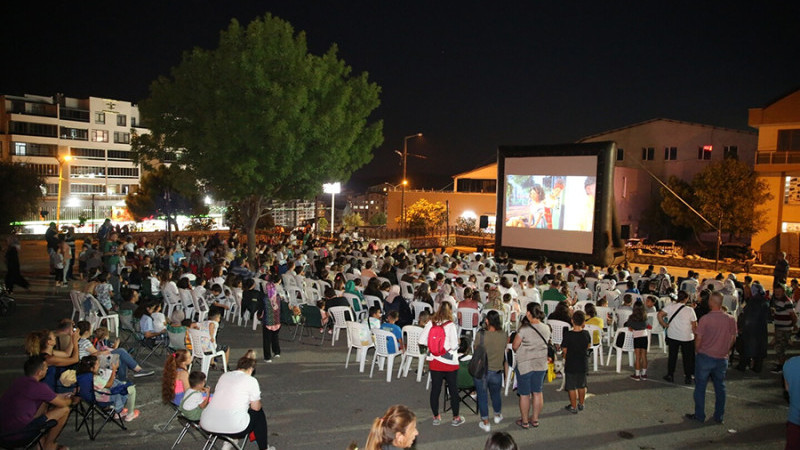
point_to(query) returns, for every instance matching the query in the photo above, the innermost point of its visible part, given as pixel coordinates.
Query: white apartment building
(89, 137)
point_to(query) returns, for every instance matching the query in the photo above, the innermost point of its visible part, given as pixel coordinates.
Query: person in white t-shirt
(680, 321)
(235, 407)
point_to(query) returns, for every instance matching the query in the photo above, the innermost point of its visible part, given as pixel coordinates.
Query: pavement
(313, 402)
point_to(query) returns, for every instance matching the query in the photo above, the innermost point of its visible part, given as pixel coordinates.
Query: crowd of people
(164, 289)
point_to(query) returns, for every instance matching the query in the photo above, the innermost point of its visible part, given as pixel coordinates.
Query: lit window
(704, 152)
(100, 136)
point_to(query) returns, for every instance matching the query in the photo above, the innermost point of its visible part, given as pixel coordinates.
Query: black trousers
(437, 378)
(270, 342)
(687, 350)
(258, 425)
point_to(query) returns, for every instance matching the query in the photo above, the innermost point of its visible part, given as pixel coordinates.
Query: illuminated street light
(61, 161)
(333, 189)
(208, 200)
(405, 180)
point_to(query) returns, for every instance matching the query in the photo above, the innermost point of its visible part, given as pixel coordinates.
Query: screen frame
(602, 229)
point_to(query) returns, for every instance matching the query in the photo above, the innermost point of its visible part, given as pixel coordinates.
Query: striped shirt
(782, 315)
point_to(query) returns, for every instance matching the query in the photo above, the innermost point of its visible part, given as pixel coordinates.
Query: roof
(486, 166)
(662, 119)
(781, 97)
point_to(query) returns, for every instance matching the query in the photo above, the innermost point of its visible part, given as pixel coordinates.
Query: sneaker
(635, 377)
(437, 421)
(484, 426)
(693, 417)
(267, 360)
(669, 378)
(569, 408)
(580, 406)
(131, 416)
(278, 355)
(143, 373)
(643, 377)
(498, 418)
(458, 421)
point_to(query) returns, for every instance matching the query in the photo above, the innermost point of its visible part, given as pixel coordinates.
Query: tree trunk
(251, 211)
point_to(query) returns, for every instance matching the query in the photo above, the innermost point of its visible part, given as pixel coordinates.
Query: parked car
(636, 242)
(668, 247)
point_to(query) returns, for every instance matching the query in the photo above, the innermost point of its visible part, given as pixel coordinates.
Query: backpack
(436, 339)
(479, 364)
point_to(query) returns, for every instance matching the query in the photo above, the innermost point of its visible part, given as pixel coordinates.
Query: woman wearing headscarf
(392, 300)
(271, 320)
(753, 330)
(350, 288)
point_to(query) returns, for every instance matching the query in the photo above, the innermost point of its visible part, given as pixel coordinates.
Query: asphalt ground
(313, 402)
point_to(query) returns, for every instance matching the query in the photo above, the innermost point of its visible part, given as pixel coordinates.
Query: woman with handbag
(531, 345)
(493, 340)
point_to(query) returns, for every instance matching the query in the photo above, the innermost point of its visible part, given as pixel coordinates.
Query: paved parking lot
(313, 402)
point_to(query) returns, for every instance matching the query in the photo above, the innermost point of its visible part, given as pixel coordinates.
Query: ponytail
(397, 419)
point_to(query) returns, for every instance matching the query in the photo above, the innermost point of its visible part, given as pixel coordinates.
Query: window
(730, 152)
(32, 129)
(77, 134)
(620, 154)
(648, 153)
(30, 149)
(100, 135)
(670, 153)
(86, 172)
(475, 185)
(122, 138)
(119, 155)
(88, 153)
(122, 120)
(75, 114)
(100, 117)
(133, 122)
(704, 152)
(788, 140)
(123, 172)
(51, 189)
(75, 188)
(45, 170)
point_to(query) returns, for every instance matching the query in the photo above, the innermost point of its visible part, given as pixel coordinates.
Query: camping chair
(466, 384)
(28, 440)
(187, 426)
(149, 345)
(311, 316)
(94, 410)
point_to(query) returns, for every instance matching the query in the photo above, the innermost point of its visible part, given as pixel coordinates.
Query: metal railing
(777, 157)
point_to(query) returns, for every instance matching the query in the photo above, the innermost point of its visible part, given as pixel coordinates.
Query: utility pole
(404, 182)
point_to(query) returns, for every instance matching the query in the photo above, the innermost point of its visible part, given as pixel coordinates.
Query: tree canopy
(727, 192)
(261, 118)
(424, 215)
(166, 191)
(20, 194)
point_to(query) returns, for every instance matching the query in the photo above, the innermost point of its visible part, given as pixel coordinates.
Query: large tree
(167, 191)
(727, 193)
(261, 118)
(20, 194)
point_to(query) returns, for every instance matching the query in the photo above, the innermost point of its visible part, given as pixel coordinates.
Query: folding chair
(311, 316)
(92, 409)
(144, 344)
(466, 384)
(187, 426)
(27, 440)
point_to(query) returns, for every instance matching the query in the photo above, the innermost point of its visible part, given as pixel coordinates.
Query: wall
(480, 204)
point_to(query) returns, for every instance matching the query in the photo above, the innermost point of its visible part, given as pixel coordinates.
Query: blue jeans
(491, 384)
(126, 362)
(707, 367)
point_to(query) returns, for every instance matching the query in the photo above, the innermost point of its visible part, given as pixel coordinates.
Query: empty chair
(111, 319)
(627, 347)
(362, 344)
(411, 335)
(597, 350)
(339, 316)
(382, 339)
(657, 330)
(76, 297)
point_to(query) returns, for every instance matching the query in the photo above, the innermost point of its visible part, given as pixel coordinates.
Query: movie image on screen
(550, 202)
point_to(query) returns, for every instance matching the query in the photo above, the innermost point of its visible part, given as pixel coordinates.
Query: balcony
(776, 161)
(75, 114)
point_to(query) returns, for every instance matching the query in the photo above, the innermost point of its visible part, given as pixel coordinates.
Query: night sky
(469, 75)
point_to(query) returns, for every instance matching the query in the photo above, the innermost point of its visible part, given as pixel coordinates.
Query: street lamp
(61, 161)
(333, 189)
(405, 181)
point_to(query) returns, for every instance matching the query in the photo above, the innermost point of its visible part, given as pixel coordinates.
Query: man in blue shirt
(791, 380)
(390, 326)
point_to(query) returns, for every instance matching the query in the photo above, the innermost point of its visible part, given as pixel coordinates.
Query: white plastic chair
(510, 370)
(548, 306)
(171, 303)
(627, 347)
(338, 314)
(557, 327)
(418, 307)
(76, 297)
(597, 350)
(354, 300)
(406, 290)
(468, 319)
(411, 334)
(111, 319)
(354, 342)
(382, 337)
(200, 308)
(657, 330)
(620, 317)
(580, 305)
(374, 301)
(196, 338)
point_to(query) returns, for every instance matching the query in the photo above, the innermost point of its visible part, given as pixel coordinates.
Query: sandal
(535, 424)
(523, 425)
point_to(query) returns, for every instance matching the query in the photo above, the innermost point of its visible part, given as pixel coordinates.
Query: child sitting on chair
(390, 326)
(196, 398)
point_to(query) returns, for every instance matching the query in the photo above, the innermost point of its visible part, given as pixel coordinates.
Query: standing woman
(494, 341)
(753, 330)
(14, 275)
(530, 344)
(444, 367)
(271, 320)
(396, 429)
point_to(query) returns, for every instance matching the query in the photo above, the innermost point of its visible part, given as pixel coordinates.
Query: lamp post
(333, 189)
(61, 161)
(404, 182)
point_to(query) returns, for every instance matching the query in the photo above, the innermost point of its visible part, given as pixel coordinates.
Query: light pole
(333, 189)
(404, 182)
(61, 161)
